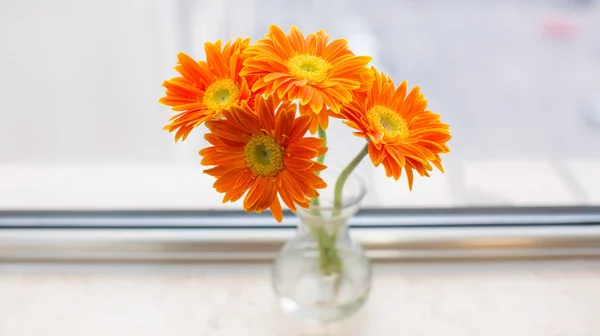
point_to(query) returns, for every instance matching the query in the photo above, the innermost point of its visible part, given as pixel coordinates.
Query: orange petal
(266, 199)
(285, 195)
(316, 103)
(396, 155)
(323, 119)
(408, 102)
(227, 181)
(226, 129)
(215, 59)
(273, 76)
(393, 167)
(243, 119)
(265, 114)
(280, 41)
(292, 186)
(300, 127)
(335, 49)
(306, 94)
(257, 188)
(219, 158)
(376, 155)
(240, 188)
(221, 170)
(297, 40)
(409, 175)
(191, 66)
(276, 210)
(283, 125)
(296, 163)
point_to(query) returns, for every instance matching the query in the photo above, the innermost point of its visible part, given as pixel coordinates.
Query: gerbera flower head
(206, 88)
(310, 69)
(402, 133)
(261, 151)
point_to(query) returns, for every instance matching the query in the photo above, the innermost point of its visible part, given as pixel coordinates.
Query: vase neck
(337, 225)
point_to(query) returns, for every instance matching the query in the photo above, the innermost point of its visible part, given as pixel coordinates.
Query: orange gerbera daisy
(207, 88)
(264, 151)
(308, 68)
(402, 133)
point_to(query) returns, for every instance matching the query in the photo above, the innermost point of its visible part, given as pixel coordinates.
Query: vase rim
(354, 201)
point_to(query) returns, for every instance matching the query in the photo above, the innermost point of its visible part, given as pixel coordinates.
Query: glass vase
(322, 275)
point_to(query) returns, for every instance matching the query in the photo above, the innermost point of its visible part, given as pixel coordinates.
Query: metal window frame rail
(213, 236)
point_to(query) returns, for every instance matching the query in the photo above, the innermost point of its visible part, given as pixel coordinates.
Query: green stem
(320, 159)
(329, 258)
(339, 184)
(322, 135)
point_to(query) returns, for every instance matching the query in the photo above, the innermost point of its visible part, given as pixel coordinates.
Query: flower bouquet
(259, 101)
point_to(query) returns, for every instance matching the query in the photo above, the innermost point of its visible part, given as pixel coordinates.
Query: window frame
(386, 235)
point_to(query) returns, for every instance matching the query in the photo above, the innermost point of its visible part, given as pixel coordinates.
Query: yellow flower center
(221, 94)
(263, 155)
(388, 122)
(312, 68)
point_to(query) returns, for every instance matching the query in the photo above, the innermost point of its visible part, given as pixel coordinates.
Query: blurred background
(81, 127)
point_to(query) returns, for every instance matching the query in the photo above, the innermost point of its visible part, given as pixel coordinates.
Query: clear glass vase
(321, 275)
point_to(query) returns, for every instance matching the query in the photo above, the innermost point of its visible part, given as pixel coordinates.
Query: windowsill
(498, 298)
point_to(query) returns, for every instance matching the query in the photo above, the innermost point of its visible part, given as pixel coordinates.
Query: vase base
(320, 313)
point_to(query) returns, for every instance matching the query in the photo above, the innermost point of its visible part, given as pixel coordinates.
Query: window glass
(81, 127)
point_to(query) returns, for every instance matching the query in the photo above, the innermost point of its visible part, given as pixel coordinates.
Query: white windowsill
(451, 299)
